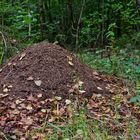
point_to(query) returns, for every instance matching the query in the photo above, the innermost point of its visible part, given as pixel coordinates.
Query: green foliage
(124, 63)
(62, 22)
(111, 27)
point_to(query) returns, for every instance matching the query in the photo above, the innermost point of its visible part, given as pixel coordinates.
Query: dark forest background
(103, 33)
(74, 24)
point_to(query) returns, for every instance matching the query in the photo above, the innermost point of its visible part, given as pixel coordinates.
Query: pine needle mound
(52, 71)
(46, 83)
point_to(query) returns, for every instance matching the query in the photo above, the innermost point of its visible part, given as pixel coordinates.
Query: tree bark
(42, 19)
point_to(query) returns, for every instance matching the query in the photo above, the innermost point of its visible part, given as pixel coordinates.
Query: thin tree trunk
(42, 18)
(78, 25)
(70, 13)
(29, 25)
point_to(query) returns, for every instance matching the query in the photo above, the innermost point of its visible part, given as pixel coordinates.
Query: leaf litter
(66, 84)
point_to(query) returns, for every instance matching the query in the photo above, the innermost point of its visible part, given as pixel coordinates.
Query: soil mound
(49, 70)
(45, 82)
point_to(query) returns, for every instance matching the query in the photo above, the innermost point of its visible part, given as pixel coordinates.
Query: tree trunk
(42, 19)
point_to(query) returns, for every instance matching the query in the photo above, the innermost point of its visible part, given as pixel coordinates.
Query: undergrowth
(80, 127)
(124, 63)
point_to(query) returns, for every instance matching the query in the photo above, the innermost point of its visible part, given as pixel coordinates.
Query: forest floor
(46, 93)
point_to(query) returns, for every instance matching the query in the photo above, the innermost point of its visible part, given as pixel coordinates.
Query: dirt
(56, 68)
(33, 82)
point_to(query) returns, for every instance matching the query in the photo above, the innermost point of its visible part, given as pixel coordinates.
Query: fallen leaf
(61, 111)
(23, 138)
(107, 110)
(10, 86)
(80, 83)
(95, 73)
(31, 98)
(42, 102)
(56, 112)
(52, 119)
(29, 121)
(43, 110)
(15, 112)
(30, 78)
(58, 98)
(91, 104)
(22, 56)
(70, 63)
(38, 82)
(82, 91)
(3, 95)
(0, 70)
(18, 101)
(39, 95)
(9, 63)
(99, 88)
(5, 90)
(23, 105)
(13, 105)
(69, 58)
(68, 102)
(29, 107)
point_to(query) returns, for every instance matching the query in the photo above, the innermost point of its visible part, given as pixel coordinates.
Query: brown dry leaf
(29, 107)
(80, 83)
(39, 95)
(9, 64)
(52, 119)
(30, 78)
(3, 95)
(97, 114)
(82, 91)
(95, 73)
(43, 110)
(58, 98)
(18, 101)
(76, 86)
(98, 95)
(5, 90)
(42, 102)
(26, 121)
(31, 98)
(61, 111)
(38, 82)
(97, 77)
(107, 110)
(10, 86)
(22, 138)
(23, 105)
(71, 90)
(56, 112)
(99, 88)
(91, 104)
(29, 121)
(49, 100)
(70, 63)
(15, 112)
(22, 56)
(68, 101)
(13, 105)
(69, 58)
